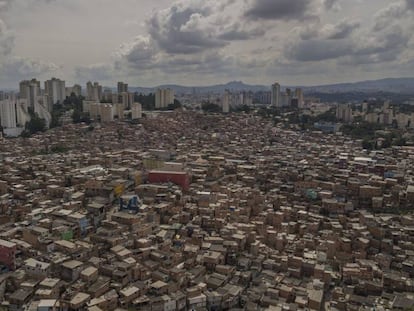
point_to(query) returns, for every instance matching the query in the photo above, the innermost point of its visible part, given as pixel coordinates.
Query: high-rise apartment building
(8, 113)
(163, 98)
(226, 101)
(107, 112)
(122, 87)
(56, 91)
(30, 90)
(136, 111)
(263, 97)
(344, 113)
(93, 91)
(275, 95)
(124, 98)
(300, 97)
(107, 95)
(76, 89)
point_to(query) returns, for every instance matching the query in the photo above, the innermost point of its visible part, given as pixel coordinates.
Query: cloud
(6, 37)
(366, 48)
(13, 67)
(100, 72)
(340, 31)
(409, 4)
(385, 46)
(279, 9)
(236, 32)
(17, 68)
(185, 28)
(389, 15)
(331, 4)
(140, 50)
(6, 40)
(190, 35)
(193, 39)
(317, 50)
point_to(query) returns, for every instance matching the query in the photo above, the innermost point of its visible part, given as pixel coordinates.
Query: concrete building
(30, 90)
(9, 118)
(285, 99)
(118, 110)
(300, 97)
(56, 90)
(8, 113)
(344, 113)
(275, 95)
(263, 97)
(163, 98)
(43, 110)
(107, 112)
(124, 98)
(76, 89)
(8, 254)
(226, 101)
(136, 111)
(93, 91)
(122, 87)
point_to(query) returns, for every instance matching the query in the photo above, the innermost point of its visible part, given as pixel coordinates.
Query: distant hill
(389, 85)
(219, 88)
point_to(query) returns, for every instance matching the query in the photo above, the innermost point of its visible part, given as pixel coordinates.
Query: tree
(367, 144)
(175, 105)
(147, 101)
(79, 117)
(210, 107)
(76, 116)
(35, 125)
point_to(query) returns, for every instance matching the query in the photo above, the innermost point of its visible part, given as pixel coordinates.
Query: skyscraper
(226, 101)
(275, 95)
(299, 96)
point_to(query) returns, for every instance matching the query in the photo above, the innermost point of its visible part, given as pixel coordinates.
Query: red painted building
(8, 254)
(181, 179)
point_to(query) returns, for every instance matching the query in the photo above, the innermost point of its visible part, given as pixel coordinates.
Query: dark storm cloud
(279, 9)
(317, 50)
(370, 48)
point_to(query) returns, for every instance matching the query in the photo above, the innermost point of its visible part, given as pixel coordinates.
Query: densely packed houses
(187, 211)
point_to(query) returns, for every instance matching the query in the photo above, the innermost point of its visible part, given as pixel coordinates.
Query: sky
(204, 42)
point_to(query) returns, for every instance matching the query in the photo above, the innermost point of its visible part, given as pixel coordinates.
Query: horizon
(307, 43)
(212, 85)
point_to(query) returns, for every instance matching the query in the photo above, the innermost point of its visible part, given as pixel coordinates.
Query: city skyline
(148, 43)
